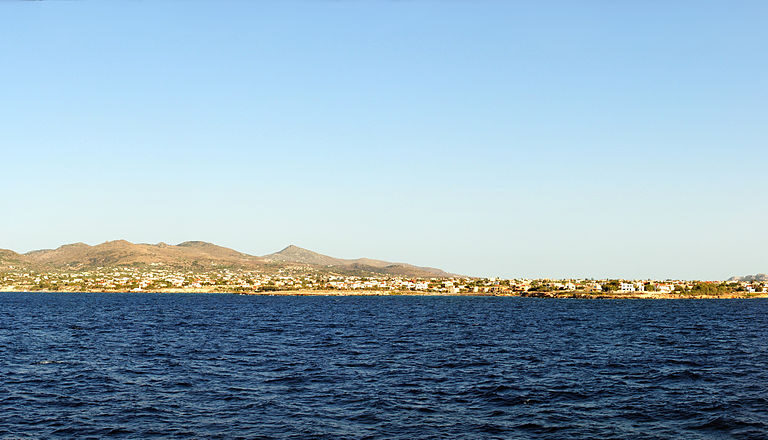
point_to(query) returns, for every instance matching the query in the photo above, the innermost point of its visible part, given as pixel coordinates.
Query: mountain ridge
(296, 254)
(205, 255)
(756, 277)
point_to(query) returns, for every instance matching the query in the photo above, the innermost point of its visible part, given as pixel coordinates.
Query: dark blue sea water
(228, 366)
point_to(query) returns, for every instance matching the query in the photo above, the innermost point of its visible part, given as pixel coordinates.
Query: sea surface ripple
(230, 366)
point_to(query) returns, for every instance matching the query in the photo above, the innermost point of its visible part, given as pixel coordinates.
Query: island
(121, 266)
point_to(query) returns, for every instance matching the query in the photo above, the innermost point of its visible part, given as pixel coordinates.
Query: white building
(626, 287)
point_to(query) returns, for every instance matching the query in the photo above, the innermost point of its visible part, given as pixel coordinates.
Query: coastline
(328, 292)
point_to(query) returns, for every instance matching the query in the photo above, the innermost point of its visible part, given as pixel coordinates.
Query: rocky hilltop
(199, 255)
(295, 254)
(760, 277)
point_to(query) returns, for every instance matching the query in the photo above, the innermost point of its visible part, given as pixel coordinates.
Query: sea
(143, 365)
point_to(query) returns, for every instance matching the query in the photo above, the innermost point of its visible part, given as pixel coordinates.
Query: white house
(626, 287)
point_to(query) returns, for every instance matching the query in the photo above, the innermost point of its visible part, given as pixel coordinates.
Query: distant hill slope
(10, 259)
(5, 253)
(760, 277)
(124, 253)
(295, 254)
(203, 255)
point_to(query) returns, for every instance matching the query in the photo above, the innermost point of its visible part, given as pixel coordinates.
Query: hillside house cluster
(158, 278)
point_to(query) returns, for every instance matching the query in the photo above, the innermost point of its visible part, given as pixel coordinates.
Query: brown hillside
(203, 255)
(123, 253)
(295, 254)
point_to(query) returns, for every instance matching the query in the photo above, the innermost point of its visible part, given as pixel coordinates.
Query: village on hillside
(156, 278)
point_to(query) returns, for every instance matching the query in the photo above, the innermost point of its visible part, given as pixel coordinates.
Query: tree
(537, 286)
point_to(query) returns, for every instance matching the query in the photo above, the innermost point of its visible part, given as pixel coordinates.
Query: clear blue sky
(622, 139)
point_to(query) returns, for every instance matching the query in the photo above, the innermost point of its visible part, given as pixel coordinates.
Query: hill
(760, 277)
(9, 259)
(124, 253)
(297, 255)
(201, 255)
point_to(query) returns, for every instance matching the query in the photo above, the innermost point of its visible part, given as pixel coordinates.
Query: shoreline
(304, 292)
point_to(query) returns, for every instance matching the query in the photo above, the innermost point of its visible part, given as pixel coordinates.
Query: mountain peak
(79, 244)
(292, 248)
(295, 254)
(194, 243)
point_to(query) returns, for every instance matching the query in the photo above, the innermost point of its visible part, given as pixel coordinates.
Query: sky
(488, 138)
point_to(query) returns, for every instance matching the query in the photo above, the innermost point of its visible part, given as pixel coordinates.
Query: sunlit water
(227, 366)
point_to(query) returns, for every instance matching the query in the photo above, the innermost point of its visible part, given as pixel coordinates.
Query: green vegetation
(711, 289)
(537, 286)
